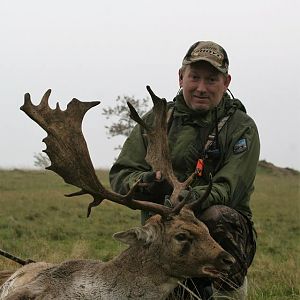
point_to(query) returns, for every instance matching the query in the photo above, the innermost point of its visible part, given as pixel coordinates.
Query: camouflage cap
(210, 52)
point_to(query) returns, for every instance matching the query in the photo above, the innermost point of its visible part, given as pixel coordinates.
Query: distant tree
(122, 124)
(41, 160)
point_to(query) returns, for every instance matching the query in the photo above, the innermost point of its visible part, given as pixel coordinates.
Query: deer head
(181, 245)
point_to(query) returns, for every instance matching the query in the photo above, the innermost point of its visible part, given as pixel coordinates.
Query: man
(208, 131)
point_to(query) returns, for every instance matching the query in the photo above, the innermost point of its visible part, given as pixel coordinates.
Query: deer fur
(160, 254)
(4, 275)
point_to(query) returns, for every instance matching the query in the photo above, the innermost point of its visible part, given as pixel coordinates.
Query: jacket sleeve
(233, 182)
(131, 163)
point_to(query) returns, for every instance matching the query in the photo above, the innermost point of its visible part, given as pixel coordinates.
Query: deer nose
(226, 259)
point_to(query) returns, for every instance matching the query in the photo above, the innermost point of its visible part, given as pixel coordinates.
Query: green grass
(276, 208)
(38, 222)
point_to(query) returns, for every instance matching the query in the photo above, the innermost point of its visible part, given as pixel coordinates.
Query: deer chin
(211, 271)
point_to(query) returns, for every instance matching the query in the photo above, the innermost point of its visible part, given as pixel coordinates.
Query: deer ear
(133, 236)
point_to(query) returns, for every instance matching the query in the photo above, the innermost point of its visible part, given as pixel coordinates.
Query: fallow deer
(172, 246)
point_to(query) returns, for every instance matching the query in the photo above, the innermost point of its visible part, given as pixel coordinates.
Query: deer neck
(140, 274)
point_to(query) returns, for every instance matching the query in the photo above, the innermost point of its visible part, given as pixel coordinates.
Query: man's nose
(201, 86)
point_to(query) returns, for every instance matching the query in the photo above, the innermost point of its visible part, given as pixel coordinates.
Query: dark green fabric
(233, 174)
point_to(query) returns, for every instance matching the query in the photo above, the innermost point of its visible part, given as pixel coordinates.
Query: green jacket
(233, 170)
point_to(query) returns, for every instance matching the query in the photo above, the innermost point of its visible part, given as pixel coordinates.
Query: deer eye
(181, 237)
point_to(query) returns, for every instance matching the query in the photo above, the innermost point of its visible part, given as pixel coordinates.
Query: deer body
(160, 254)
(87, 279)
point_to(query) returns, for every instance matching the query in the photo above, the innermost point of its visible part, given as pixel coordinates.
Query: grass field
(38, 222)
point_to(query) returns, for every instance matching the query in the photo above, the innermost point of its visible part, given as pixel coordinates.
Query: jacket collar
(205, 119)
(190, 116)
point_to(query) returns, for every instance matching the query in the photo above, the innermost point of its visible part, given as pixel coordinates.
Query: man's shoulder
(237, 111)
(241, 117)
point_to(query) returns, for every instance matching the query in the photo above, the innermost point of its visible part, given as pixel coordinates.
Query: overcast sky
(100, 49)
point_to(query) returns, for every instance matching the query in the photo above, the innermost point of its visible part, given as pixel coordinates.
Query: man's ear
(227, 82)
(180, 75)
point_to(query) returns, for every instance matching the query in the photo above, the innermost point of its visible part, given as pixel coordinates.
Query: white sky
(99, 49)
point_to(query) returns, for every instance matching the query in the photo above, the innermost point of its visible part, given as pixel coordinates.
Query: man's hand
(188, 195)
(150, 180)
(150, 177)
(154, 184)
(185, 195)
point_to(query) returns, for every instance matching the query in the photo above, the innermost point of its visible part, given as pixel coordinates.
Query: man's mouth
(201, 97)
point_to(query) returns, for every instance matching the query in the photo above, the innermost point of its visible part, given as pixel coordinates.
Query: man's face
(203, 85)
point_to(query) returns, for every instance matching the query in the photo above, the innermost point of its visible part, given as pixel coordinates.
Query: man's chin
(200, 107)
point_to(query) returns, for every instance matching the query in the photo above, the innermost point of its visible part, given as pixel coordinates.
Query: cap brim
(218, 67)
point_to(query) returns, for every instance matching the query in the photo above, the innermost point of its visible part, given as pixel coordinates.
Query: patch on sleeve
(240, 146)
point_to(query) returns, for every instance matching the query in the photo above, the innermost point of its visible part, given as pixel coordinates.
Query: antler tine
(45, 98)
(135, 116)
(196, 205)
(154, 98)
(68, 152)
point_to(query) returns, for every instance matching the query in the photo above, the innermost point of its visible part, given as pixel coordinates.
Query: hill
(271, 168)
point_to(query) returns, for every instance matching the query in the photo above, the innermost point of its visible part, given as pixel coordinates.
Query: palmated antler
(158, 155)
(69, 156)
